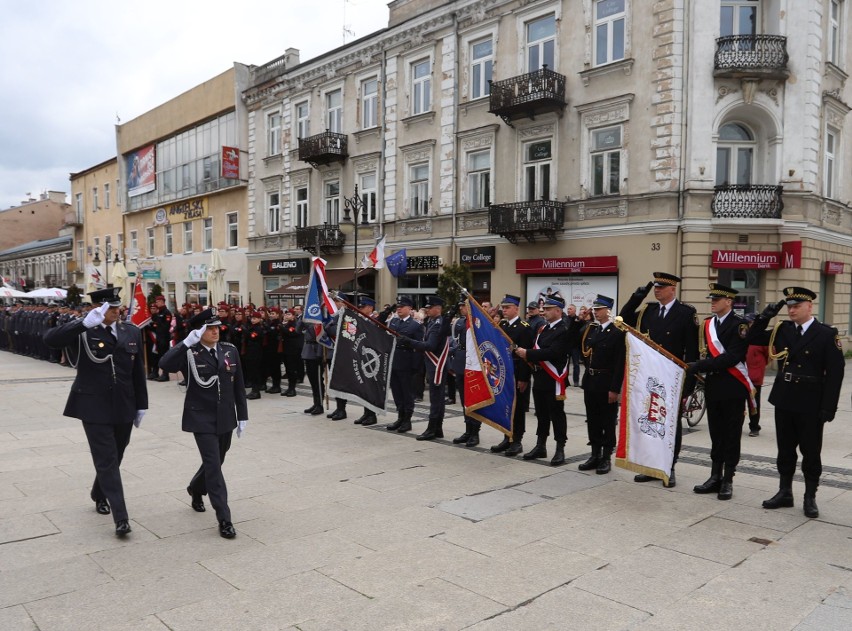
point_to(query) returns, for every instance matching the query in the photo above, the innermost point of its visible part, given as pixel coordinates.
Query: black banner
(361, 366)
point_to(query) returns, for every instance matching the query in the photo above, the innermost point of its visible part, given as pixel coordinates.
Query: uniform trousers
(519, 420)
(549, 410)
(402, 389)
(295, 368)
(437, 397)
(313, 368)
(802, 430)
(107, 444)
(600, 421)
(272, 368)
(209, 479)
(725, 420)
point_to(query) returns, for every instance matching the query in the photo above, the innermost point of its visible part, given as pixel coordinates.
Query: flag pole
(373, 320)
(622, 325)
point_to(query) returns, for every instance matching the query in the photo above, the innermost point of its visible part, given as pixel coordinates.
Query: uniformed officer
(367, 307)
(312, 354)
(162, 323)
(292, 353)
(109, 394)
(405, 362)
(522, 335)
(255, 338)
(805, 392)
(330, 328)
(214, 406)
(455, 365)
(534, 316)
(727, 387)
(603, 349)
(671, 324)
(549, 354)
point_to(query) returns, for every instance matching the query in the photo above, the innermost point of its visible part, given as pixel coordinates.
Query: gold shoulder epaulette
(524, 323)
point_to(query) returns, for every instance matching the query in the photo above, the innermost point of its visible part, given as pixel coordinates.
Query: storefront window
(747, 283)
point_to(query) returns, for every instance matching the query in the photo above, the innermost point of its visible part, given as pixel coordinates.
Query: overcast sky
(68, 68)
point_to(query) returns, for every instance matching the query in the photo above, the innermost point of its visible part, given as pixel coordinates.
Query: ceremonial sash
(440, 361)
(550, 369)
(739, 372)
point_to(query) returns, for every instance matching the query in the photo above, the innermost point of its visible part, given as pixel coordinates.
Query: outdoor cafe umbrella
(47, 292)
(120, 278)
(216, 279)
(8, 292)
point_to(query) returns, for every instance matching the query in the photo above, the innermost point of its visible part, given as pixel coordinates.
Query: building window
(609, 31)
(80, 253)
(78, 203)
(369, 197)
(273, 212)
(735, 155)
(541, 43)
(196, 293)
(234, 292)
(369, 103)
(538, 159)
(606, 161)
(108, 246)
(120, 250)
(479, 179)
(95, 205)
(106, 196)
(830, 175)
(334, 111)
(118, 188)
(834, 32)
(187, 237)
(273, 134)
(482, 63)
(169, 242)
(233, 230)
(738, 17)
(419, 188)
(150, 238)
(421, 87)
(134, 240)
(332, 202)
(302, 207)
(303, 123)
(207, 230)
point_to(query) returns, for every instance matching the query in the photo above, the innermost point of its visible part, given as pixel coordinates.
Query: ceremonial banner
(489, 374)
(397, 263)
(319, 307)
(650, 405)
(138, 312)
(363, 356)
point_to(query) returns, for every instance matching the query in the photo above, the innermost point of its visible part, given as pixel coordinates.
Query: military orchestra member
(405, 363)
(603, 349)
(109, 394)
(255, 338)
(806, 390)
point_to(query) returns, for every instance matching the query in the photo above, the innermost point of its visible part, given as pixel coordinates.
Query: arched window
(735, 155)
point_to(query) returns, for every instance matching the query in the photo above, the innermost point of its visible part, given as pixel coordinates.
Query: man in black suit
(214, 406)
(726, 387)
(405, 364)
(674, 326)
(109, 394)
(603, 351)
(549, 354)
(805, 392)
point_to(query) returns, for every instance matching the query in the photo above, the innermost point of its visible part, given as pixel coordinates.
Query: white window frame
(207, 233)
(604, 156)
(835, 32)
(106, 195)
(479, 86)
(302, 128)
(542, 172)
(540, 43)
(301, 217)
(421, 87)
(273, 133)
(273, 212)
(233, 230)
(134, 240)
(830, 170)
(734, 147)
(331, 202)
(150, 241)
(419, 194)
(479, 193)
(78, 201)
(369, 195)
(187, 237)
(333, 114)
(168, 237)
(95, 206)
(735, 4)
(609, 24)
(369, 104)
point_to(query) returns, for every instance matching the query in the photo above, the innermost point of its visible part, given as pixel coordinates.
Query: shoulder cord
(586, 352)
(773, 355)
(207, 383)
(94, 360)
(702, 341)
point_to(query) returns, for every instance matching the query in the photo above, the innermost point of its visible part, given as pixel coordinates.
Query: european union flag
(397, 263)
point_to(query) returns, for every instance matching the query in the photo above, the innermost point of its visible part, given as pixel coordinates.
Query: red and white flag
(376, 258)
(140, 315)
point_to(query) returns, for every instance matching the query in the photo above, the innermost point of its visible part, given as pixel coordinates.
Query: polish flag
(376, 258)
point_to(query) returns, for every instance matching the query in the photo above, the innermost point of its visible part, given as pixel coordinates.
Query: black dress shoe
(290, 392)
(539, 451)
(404, 427)
(338, 415)
(310, 410)
(162, 378)
(197, 501)
(122, 528)
(394, 426)
(810, 507)
(370, 420)
(726, 490)
(254, 394)
(317, 410)
(604, 466)
(712, 485)
(515, 448)
(591, 463)
(330, 414)
(274, 390)
(473, 440)
(182, 383)
(458, 440)
(641, 477)
(226, 530)
(152, 377)
(361, 418)
(449, 401)
(102, 507)
(782, 499)
(502, 446)
(429, 434)
(558, 458)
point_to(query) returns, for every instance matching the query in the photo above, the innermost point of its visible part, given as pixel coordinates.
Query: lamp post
(107, 253)
(354, 225)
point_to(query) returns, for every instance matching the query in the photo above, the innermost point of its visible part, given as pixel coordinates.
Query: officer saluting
(109, 394)
(215, 405)
(805, 392)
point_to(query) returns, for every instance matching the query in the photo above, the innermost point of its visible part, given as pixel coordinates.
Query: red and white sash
(440, 361)
(550, 369)
(739, 372)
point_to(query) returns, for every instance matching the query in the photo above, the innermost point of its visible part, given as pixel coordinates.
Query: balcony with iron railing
(747, 201)
(328, 237)
(528, 95)
(324, 148)
(751, 56)
(527, 220)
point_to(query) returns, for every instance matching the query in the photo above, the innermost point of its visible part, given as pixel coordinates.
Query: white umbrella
(47, 292)
(216, 279)
(8, 292)
(119, 278)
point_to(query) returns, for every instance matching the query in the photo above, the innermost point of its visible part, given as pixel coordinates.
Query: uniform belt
(598, 371)
(788, 376)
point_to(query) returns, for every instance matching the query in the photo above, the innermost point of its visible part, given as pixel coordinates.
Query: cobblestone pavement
(344, 528)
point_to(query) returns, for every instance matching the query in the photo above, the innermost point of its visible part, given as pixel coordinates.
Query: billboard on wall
(141, 172)
(575, 289)
(230, 163)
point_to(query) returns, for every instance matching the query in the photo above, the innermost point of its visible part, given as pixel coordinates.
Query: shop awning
(334, 277)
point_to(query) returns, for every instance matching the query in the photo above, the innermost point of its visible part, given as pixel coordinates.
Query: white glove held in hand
(194, 336)
(138, 420)
(95, 316)
(241, 427)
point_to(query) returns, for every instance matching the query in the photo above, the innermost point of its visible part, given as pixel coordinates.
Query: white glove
(138, 420)
(241, 427)
(95, 316)
(194, 336)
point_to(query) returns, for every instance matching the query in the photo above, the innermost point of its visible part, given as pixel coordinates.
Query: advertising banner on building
(141, 171)
(230, 163)
(575, 289)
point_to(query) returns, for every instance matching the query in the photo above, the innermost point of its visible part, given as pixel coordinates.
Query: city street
(341, 527)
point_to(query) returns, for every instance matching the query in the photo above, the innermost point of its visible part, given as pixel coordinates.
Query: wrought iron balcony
(527, 220)
(530, 94)
(328, 237)
(747, 201)
(324, 148)
(757, 56)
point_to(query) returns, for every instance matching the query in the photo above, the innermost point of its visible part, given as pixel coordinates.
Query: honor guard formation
(229, 355)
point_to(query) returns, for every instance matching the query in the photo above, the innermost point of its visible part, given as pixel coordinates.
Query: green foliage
(449, 280)
(75, 296)
(156, 290)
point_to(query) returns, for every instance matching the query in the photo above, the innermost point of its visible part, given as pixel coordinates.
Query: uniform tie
(662, 312)
(110, 331)
(717, 322)
(213, 354)
(799, 330)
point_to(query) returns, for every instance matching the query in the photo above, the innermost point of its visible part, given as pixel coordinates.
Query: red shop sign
(740, 259)
(833, 267)
(578, 265)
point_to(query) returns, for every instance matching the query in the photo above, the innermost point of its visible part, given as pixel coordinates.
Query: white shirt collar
(668, 306)
(807, 324)
(513, 320)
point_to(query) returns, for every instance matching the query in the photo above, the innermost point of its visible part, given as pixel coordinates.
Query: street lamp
(348, 225)
(107, 253)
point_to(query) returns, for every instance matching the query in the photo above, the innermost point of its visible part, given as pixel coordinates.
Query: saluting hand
(194, 336)
(95, 316)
